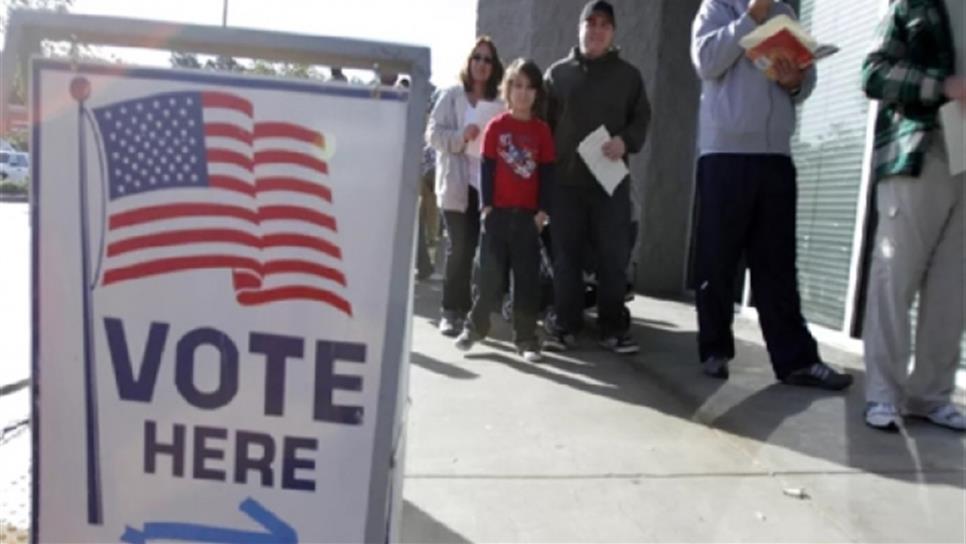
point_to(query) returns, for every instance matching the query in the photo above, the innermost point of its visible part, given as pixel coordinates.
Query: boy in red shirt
(518, 156)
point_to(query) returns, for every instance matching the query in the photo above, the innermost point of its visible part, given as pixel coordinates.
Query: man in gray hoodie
(747, 194)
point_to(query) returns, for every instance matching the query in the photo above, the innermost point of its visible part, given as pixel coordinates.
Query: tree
(184, 60)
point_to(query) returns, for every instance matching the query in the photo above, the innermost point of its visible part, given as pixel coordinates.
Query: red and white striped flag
(195, 182)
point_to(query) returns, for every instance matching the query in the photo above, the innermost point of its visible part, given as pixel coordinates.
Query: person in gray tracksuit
(747, 193)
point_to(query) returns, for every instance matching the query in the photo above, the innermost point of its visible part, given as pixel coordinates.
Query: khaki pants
(919, 248)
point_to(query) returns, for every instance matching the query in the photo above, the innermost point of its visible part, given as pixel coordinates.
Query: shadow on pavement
(665, 377)
(418, 527)
(439, 367)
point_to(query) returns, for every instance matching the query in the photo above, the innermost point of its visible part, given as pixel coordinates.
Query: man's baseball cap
(599, 7)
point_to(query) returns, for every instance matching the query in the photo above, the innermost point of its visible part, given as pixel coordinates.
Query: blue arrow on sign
(279, 532)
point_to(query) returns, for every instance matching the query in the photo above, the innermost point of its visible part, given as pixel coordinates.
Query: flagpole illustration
(80, 90)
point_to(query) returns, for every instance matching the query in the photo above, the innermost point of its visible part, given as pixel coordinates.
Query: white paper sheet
(480, 115)
(608, 173)
(953, 118)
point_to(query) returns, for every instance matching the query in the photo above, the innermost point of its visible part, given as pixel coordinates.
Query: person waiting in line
(517, 178)
(747, 194)
(457, 176)
(592, 87)
(918, 65)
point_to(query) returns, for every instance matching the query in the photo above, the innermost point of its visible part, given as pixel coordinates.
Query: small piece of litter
(795, 492)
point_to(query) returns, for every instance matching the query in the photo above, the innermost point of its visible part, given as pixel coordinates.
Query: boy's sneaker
(947, 416)
(466, 339)
(620, 343)
(559, 342)
(819, 375)
(449, 326)
(530, 351)
(882, 416)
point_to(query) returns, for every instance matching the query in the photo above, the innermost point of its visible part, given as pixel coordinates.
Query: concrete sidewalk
(593, 447)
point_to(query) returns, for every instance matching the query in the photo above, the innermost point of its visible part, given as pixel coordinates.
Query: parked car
(14, 166)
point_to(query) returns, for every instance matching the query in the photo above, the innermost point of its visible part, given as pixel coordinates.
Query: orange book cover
(782, 43)
(782, 36)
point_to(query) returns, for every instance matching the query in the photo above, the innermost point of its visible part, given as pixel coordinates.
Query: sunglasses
(482, 58)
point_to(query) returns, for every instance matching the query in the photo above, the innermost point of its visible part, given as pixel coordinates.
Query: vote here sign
(212, 257)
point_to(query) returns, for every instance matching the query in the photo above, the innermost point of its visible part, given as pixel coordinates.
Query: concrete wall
(654, 36)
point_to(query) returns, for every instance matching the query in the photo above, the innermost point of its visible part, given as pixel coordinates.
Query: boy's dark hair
(492, 84)
(529, 69)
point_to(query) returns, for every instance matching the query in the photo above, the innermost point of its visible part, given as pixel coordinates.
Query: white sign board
(212, 260)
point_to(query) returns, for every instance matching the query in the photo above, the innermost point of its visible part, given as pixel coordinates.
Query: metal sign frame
(27, 29)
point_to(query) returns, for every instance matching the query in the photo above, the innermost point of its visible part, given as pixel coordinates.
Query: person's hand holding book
(787, 73)
(758, 10)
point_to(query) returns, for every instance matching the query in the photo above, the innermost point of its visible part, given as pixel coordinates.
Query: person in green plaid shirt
(917, 67)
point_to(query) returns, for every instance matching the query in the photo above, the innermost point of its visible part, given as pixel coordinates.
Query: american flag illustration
(195, 182)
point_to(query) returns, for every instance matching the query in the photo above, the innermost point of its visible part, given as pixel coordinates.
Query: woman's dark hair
(496, 75)
(531, 71)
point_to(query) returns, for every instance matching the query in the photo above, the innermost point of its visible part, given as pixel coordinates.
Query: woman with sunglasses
(457, 175)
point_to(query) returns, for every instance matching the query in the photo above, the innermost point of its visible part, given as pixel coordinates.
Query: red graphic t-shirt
(518, 147)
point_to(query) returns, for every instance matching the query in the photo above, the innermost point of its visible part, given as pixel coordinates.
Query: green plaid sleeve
(889, 76)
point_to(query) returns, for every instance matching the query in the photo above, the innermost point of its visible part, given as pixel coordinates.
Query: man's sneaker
(559, 342)
(466, 339)
(530, 351)
(882, 416)
(449, 326)
(947, 416)
(716, 367)
(819, 375)
(620, 343)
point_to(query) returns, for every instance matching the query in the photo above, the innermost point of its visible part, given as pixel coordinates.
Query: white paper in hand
(608, 173)
(953, 119)
(480, 115)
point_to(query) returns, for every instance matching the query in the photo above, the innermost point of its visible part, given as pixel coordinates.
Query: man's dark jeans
(747, 204)
(582, 217)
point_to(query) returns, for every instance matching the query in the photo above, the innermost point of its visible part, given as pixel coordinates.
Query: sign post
(242, 246)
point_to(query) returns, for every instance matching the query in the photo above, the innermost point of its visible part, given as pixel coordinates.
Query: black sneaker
(450, 326)
(819, 375)
(530, 351)
(716, 367)
(620, 343)
(559, 342)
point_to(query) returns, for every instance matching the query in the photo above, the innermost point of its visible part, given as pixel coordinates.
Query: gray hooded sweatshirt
(742, 111)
